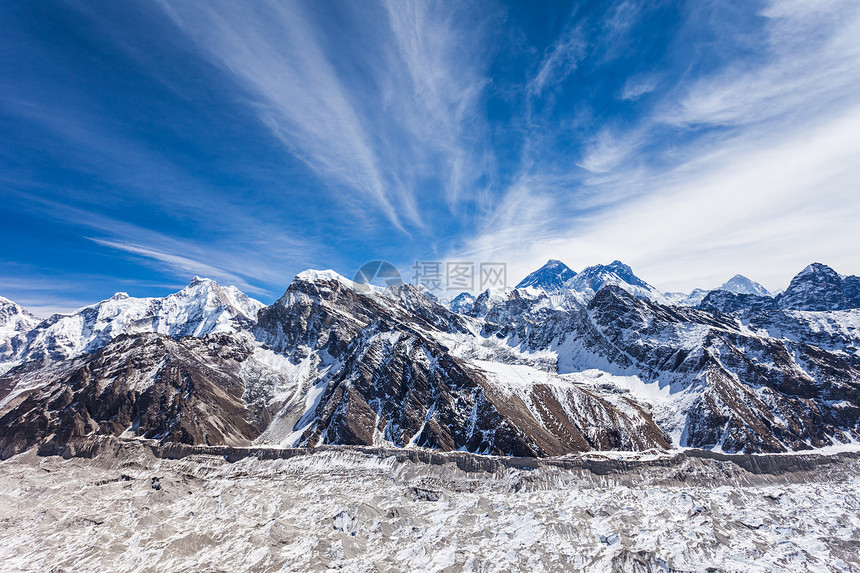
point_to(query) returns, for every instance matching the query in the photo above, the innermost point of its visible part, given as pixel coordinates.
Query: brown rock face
(185, 390)
(333, 364)
(398, 384)
(795, 390)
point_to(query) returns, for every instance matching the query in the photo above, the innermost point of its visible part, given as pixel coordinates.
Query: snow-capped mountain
(14, 319)
(593, 278)
(462, 303)
(692, 299)
(552, 276)
(725, 301)
(740, 284)
(818, 287)
(524, 372)
(201, 308)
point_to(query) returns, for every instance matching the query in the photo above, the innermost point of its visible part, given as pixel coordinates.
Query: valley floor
(352, 510)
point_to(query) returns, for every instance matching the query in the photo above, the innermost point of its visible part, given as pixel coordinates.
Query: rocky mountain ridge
(201, 308)
(524, 372)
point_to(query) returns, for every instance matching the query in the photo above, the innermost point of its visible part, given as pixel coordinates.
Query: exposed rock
(149, 385)
(818, 287)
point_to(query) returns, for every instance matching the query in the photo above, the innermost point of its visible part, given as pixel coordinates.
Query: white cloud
(559, 63)
(774, 192)
(393, 109)
(275, 53)
(180, 263)
(812, 62)
(607, 151)
(637, 86)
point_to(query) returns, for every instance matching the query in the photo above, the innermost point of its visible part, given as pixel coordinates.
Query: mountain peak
(312, 275)
(200, 280)
(740, 284)
(593, 278)
(462, 303)
(819, 287)
(550, 277)
(817, 268)
(14, 319)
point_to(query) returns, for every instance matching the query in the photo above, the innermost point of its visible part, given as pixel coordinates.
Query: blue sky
(146, 142)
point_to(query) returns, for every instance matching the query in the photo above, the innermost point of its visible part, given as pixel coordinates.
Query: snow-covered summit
(14, 319)
(312, 276)
(819, 287)
(693, 299)
(593, 278)
(550, 277)
(462, 303)
(201, 308)
(740, 284)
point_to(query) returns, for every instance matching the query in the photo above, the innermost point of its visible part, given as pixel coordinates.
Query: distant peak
(312, 275)
(200, 280)
(616, 264)
(817, 268)
(464, 296)
(120, 296)
(739, 284)
(551, 276)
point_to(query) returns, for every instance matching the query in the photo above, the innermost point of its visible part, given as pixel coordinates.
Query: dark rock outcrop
(818, 287)
(726, 302)
(185, 391)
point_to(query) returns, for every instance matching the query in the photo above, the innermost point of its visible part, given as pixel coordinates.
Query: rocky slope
(395, 381)
(149, 385)
(710, 380)
(524, 372)
(818, 287)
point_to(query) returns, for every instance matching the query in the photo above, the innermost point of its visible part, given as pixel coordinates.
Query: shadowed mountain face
(550, 277)
(524, 373)
(148, 385)
(396, 382)
(818, 287)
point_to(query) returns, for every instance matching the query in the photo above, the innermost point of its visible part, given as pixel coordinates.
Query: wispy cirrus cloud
(274, 51)
(559, 63)
(724, 171)
(250, 140)
(637, 86)
(811, 57)
(446, 64)
(182, 263)
(383, 118)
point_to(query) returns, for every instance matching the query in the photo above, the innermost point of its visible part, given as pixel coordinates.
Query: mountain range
(565, 362)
